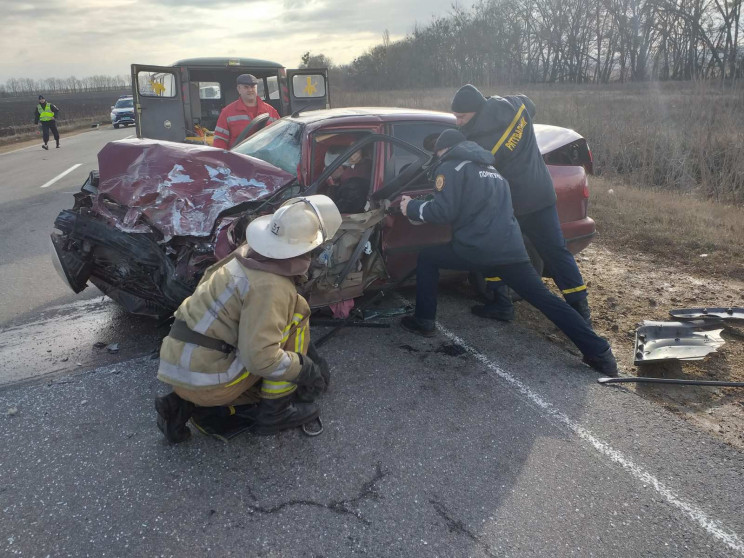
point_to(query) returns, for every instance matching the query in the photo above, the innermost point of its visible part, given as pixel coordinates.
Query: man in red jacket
(236, 116)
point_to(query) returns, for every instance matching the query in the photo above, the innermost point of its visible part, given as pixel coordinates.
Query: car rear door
(158, 102)
(308, 89)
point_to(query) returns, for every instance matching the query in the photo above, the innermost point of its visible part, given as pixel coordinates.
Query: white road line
(130, 137)
(712, 526)
(53, 180)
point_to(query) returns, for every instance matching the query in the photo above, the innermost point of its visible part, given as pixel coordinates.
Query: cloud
(62, 38)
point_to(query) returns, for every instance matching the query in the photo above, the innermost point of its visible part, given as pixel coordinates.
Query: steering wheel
(255, 125)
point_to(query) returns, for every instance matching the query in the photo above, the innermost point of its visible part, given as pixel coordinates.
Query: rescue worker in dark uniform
(475, 199)
(503, 126)
(46, 113)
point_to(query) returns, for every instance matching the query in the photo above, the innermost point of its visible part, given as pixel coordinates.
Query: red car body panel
(179, 189)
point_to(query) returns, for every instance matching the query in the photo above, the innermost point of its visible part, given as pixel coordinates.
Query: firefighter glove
(312, 380)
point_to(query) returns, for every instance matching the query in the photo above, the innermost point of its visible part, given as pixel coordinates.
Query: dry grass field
(77, 111)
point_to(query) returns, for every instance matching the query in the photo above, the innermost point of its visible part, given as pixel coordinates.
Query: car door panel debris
(702, 313)
(665, 341)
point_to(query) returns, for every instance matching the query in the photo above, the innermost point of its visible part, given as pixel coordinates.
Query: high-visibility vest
(45, 112)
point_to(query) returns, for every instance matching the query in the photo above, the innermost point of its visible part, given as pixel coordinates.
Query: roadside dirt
(627, 288)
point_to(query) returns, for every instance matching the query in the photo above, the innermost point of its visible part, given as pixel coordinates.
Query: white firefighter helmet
(297, 227)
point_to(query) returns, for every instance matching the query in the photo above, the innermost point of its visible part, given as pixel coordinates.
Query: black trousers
(521, 277)
(46, 127)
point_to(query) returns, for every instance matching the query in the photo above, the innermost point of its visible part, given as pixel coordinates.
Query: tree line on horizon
(555, 41)
(16, 87)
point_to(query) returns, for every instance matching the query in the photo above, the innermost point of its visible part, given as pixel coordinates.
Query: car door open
(157, 93)
(308, 90)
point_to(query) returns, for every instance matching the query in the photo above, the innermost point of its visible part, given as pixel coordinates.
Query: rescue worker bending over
(503, 126)
(237, 350)
(474, 198)
(236, 116)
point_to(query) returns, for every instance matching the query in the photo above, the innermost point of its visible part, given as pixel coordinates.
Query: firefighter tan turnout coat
(259, 313)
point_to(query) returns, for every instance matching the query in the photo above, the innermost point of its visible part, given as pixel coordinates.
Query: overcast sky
(60, 38)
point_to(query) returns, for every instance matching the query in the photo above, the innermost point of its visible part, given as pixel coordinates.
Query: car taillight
(585, 191)
(589, 166)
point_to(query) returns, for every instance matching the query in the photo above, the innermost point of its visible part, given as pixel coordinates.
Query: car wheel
(116, 126)
(478, 281)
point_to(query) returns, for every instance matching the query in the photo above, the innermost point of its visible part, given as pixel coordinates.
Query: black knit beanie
(448, 138)
(467, 99)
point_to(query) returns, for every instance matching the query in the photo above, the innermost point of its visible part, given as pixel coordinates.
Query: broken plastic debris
(663, 341)
(113, 348)
(12, 411)
(731, 313)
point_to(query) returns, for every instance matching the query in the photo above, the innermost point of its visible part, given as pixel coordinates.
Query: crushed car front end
(145, 229)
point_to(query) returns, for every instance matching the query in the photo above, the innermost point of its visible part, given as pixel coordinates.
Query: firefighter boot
(275, 415)
(224, 422)
(501, 308)
(173, 414)
(604, 363)
(582, 307)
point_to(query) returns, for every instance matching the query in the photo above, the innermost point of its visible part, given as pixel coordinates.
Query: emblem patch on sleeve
(439, 183)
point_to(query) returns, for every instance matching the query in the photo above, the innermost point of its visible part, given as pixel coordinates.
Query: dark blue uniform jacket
(505, 123)
(475, 199)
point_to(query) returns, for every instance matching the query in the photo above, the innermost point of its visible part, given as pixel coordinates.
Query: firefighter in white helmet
(236, 355)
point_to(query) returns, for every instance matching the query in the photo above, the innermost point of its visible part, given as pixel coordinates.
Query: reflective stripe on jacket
(235, 117)
(257, 312)
(504, 127)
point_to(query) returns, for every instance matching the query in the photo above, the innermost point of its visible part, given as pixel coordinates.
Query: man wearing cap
(236, 356)
(236, 116)
(475, 199)
(503, 126)
(46, 113)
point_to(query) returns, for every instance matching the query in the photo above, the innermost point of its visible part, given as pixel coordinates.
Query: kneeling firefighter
(236, 355)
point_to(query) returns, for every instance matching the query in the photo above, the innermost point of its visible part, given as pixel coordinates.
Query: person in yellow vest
(46, 113)
(237, 353)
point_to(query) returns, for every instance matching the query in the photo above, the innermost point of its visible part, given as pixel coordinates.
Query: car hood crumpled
(179, 189)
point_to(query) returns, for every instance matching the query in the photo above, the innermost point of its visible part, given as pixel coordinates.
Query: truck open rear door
(158, 102)
(308, 89)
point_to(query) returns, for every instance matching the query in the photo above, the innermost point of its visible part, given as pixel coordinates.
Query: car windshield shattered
(279, 144)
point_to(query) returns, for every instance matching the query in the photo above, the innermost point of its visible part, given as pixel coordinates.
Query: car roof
(314, 118)
(228, 62)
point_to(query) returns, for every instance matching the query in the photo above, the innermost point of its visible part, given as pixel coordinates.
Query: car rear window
(278, 144)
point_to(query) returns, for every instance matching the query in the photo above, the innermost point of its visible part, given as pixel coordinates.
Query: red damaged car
(156, 214)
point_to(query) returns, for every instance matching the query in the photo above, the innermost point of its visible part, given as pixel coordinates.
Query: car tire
(116, 126)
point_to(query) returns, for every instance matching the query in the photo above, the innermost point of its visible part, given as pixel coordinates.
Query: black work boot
(582, 307)
(500, 309)
(275, 415)
(417, 326)
(604, 363)
(173, 414)
(57, 145)
(225, 421)
(45, 146)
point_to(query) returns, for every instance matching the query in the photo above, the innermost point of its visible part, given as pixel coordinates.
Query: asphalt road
(35, 185)
(486, 440)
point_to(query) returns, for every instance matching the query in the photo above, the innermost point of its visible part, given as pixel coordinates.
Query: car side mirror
(112, 107)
